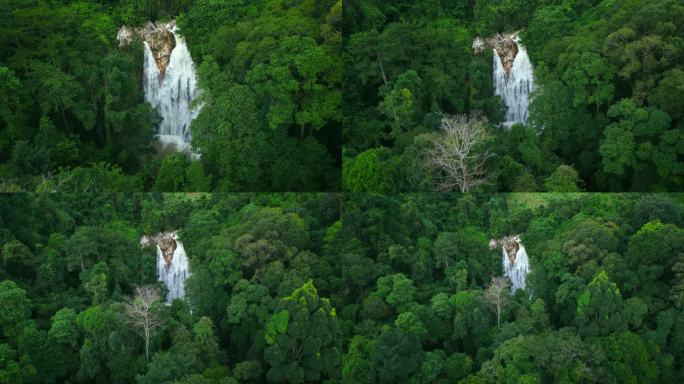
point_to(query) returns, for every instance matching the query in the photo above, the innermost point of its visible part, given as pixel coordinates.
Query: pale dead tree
(143, 313)
(459, 154)
(497, 294)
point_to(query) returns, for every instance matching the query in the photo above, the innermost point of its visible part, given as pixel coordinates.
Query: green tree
(590, 80)
(563, 179)
(303, 339)
(670, 89)
(356, 366)
(396, 356)
(16, 307)
(600, 309)
(299, 80)
(64, 329)
(231, 139)
(206, 340)
(18, 260)
(172, 173)
(369, 171)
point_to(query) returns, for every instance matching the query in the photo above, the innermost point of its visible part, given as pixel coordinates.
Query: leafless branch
(497, 294)
(143, 313)
(459, 154)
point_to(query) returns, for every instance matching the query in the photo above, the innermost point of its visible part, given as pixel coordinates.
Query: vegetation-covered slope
(73, 115)
(369, 289)
(71, 264)
(606, 115)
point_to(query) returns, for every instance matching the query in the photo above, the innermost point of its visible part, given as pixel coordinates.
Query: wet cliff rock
(159, 37)
(510, 244)
(505, 45)
(165, 241)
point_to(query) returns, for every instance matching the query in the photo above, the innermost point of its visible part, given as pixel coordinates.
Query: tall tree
(496, 294)
(143, 313)
(460, 154)
(303, 339)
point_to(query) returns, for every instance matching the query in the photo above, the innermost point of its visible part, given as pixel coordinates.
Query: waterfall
(515, 87)
(516, 271)
(174, 274)
(173, 93)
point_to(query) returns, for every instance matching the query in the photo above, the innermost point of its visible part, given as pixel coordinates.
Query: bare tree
(497, 294)
(459, 154)
(143, 313)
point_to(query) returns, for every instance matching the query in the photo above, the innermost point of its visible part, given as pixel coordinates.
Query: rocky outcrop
(510, 244)
(158, 36)
(505, 45)
(507, 49)
(166, 241)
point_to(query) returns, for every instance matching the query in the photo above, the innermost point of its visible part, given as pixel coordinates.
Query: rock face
(166, 242)
(507, 49)
(173, 267)
(158, 36)
(514, 259)
(505, 46)
(510, 244)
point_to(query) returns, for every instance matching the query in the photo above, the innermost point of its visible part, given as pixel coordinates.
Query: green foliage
(205, 17)
(407, 63)
(369, 171)
(64, 329)
(72, 261)
(390, 289)
(563, 179)
(99, 177)
(171, 174)
(272, 103)
(600, 308)
(72, 99)
(306, 348)
(248, 371)
(396, 356)
(277, 325)
(561, 328)
(15, 305)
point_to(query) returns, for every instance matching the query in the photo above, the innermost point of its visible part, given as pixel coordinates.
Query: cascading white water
(174, 274)
(517, 271)
(516, 87)
(173, 93)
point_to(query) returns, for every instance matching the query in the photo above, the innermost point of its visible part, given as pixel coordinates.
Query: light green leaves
(277, 325)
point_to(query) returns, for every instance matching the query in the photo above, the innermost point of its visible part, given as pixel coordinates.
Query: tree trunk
(64, 117)
(498, 317)
(147, 339)
(382, 69)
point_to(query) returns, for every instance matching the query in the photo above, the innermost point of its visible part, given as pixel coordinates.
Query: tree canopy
(326, 288)
(73, 116)
(605, 114)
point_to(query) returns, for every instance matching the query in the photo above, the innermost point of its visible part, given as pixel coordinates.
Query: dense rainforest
(492, 117)
(72, 266)
(73, 114)
(325, 288)
(606, 111)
